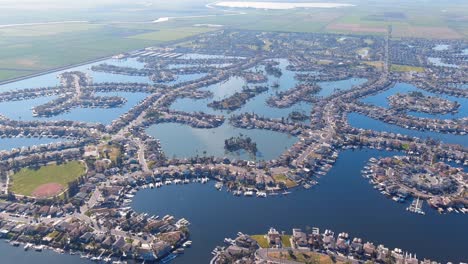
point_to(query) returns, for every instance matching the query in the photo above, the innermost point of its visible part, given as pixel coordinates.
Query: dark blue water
(343, 201)
(10, 254)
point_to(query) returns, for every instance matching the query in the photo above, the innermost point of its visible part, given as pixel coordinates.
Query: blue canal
(343, 200)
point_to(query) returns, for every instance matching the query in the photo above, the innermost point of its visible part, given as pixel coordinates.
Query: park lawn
(405, 68)
(261, 240)
(282, 178)
(377, 64)
(27, 180)
(307, 257)
(112, 151)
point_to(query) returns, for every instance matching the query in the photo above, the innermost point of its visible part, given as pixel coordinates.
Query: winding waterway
(184, 141)
(343, 200)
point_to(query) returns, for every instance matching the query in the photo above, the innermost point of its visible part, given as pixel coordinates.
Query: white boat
(188, 243)
(39, 248)
(27, 246)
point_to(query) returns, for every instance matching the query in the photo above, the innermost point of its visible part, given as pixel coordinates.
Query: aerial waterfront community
(73, 193)
(306, 247)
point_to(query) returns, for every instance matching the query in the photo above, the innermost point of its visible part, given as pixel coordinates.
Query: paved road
(141, 155)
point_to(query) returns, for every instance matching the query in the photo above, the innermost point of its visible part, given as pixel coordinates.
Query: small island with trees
(417, 101)
(298, 116)
(240, 142)
(238, 99)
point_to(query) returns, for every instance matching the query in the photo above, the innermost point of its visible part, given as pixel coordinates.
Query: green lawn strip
(261, 240)
(405, 68)
(283, 178)
(285, 240)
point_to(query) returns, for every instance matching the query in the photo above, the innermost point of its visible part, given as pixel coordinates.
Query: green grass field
(27, 180)
(261, 240)
(405, 68)
(282, 178)
(285, 240)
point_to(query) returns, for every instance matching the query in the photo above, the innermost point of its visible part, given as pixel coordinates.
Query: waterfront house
(86, 237)
(145, 253)
(300, 239)
(369, 250)
(63, 226)
(119, 243)
(273, 237)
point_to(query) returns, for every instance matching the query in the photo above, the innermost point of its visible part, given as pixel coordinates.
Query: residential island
(74, 194)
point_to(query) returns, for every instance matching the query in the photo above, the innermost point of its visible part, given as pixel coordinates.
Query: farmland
(30, 49)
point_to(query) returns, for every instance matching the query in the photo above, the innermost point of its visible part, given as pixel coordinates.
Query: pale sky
(70, 4)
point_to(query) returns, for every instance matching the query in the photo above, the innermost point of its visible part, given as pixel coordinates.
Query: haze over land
(33, 47)
(278, 5)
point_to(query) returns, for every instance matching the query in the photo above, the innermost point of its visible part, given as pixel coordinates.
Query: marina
(215, 215)
(217, 166)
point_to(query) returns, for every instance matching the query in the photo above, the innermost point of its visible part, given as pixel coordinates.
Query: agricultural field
(46, 181)
(30, 49)
(24, 54)
(171, 34)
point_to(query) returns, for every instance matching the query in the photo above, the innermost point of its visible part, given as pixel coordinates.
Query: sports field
(46, 181)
